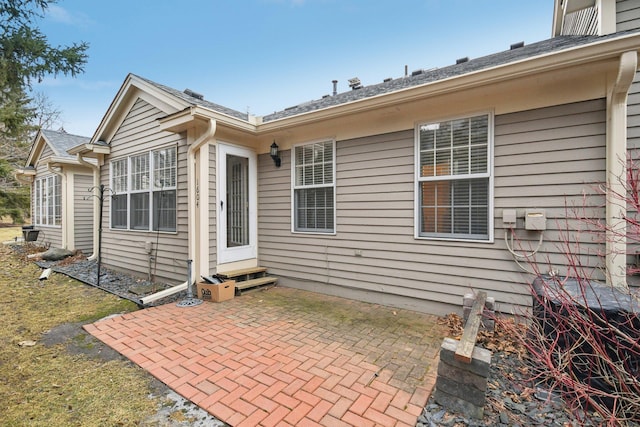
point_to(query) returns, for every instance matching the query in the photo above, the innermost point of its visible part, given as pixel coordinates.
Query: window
(314, 187)
(139, 211)
(144, 188)
(454, 178)
(48, 201)
(119, 197)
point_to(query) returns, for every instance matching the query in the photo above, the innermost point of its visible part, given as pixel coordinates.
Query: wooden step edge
(252, 283)
(243, 271)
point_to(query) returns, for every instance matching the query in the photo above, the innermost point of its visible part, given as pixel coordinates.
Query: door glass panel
(237, 201)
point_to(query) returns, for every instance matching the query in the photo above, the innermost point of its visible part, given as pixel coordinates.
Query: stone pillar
(461, 386)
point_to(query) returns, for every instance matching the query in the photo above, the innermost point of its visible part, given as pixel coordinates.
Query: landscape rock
(56, 254)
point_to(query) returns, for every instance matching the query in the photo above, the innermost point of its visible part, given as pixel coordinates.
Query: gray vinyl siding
(633, 115)
(125, 249)
(627, 18)
(49, 235)
(83, 213)
(627, 15)
(633, 144)
(543, 158)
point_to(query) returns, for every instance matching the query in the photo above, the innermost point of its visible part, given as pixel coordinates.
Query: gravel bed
(115, 282)
(510, 401)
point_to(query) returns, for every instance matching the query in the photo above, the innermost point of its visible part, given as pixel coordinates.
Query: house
(410, 192)
(61, 203)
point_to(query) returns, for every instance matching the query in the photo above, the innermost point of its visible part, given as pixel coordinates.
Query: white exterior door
(237, 200)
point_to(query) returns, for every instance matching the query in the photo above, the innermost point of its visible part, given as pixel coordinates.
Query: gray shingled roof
(427, 76)
(61, 141)
(197, 101)
(417, 78)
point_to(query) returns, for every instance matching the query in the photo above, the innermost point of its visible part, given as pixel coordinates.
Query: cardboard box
(216, 292)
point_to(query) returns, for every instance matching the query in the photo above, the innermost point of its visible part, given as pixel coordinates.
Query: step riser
(250, 279)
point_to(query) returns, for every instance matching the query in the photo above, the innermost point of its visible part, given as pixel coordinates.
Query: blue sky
(262, 56)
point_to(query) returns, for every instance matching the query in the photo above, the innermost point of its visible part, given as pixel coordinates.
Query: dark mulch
(512, 399)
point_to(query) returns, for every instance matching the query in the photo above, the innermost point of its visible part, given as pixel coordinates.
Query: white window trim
(490, 174)
(294, 188)
(150, 191)
(39, 203)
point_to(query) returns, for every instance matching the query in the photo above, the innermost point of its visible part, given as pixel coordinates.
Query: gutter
(616, 205)
(96, 203)
(192, 197)
(25, 176)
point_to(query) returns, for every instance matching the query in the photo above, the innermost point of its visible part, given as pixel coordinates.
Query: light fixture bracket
(275, 155)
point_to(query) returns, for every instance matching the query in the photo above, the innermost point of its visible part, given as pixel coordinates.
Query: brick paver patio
(286, 357)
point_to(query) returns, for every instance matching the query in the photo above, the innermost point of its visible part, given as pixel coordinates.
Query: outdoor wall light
(274, 154)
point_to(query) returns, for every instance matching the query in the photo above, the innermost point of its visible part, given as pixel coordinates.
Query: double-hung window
(119, 199)
(144, 189)
(454, 178)
(314, 187)
(47, 201)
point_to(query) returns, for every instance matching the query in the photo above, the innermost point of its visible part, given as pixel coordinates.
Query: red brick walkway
(286, 357)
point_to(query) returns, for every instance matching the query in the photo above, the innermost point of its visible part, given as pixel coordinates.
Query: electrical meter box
(535, 219)
(509, 218)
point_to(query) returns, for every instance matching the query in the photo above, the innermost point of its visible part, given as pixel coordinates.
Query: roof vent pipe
(193, 94)
(462, 60)
(406, 70)
(355, 83)
(516, 45)
(335, 87)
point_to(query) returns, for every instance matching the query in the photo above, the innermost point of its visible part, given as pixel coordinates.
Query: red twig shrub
(583, 338)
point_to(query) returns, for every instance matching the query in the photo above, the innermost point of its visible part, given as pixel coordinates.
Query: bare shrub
(583, 340)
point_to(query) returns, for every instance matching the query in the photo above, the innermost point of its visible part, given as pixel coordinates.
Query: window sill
(315, 233)
(454, 239)
(128, 230)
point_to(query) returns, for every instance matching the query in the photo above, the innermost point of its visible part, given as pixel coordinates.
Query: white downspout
(191, 206)
(96, 202)
(616, 241)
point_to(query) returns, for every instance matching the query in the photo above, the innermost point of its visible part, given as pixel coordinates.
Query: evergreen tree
(25, 56)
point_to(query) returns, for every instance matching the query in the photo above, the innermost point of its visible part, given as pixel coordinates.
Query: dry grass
(9, 233)
(48, 386)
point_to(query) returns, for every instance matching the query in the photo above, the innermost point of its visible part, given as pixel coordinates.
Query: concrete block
(467, 303)
(458, 405)
(480, 358)
(463, 391)
(461, 375)
(490, 304)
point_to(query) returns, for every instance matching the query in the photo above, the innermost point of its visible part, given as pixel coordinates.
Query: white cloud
(89, 85)
(63, 16)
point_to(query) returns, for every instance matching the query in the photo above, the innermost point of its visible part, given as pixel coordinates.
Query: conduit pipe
(96, 203)
(191, 161)
(616, 242)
